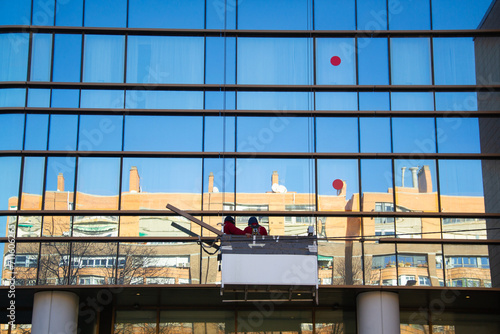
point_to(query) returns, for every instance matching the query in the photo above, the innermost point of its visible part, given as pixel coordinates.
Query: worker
(254, 228)
(230, 228)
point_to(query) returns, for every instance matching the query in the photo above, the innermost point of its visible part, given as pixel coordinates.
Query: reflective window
(62, 132)
(412, 101)
(144, 99)
(274, 100)
(465, 267)
(163, 133)
(220, 60)
(218, 181)
(59, 188)
(10, 172)
(219, 134)
(151, 183)
(105, 13)
(274, 15)
(36, 132)
(375, 134)
(414, 51)
(69, 13)
(13, 56)
(165, 59)
(409, 15)
(335, 61)
(53, 264)
(41, 57)
(459, 101)
(11, 131)
(417, 264)
(103, 58)
(221, 14)
(274, 134)
(373, 61)
(338, 185)
(188, 14)
(89, 263)
(337, 134)
(12, 97)
(274, 61)
(465, 228)
(65, 98)
(221, 100)
(374, 101)
(334, 15)
(336, 101)
(34, 168)
(467, 14)
(67, 58)
(100, 133)
(376, 184)
(97, 98)
(413, 135)
(38, 98)
(458, 135)
(15, 12)
(25, 264)
(97, 177)
(372, 14)
(380, 260)
(454, 61)
(43, 13)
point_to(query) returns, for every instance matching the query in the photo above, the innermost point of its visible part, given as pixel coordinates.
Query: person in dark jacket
(230, 227)
(254, 228)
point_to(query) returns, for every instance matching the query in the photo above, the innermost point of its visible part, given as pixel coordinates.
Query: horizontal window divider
(355, 214)
(439, 241)
(108, 239)
(235, 112)
(260, 155)
(248, 32)
(251, 87)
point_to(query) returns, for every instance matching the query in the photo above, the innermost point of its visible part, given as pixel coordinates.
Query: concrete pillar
(378, 312)
(55, 312)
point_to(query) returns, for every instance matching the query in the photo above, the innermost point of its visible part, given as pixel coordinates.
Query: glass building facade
(373, 121)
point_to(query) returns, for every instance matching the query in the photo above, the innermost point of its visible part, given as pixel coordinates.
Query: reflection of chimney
(424, 180)
(60, 182)
(211, 182)
(134, 183)
(414, 177)
(274, 178)
(403, 176)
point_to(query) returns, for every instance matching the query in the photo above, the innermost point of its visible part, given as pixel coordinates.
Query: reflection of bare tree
(144, 328)
(332, 328)
(350, 272)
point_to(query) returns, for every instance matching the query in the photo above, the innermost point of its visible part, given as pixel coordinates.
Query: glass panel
(412, 101)
(97, 184)
(374, 101)
(461, 186)
(38, 98)
(15, 13)
(337, 134)
(291, 183)
(137, 322)
(467, 266)
(43, 13)
(148, 133)
(372, 14)
(458, 135)
(103, 58)
(100, 133)
(157, 226)
(375, 134)
(218, 185)
(220, 60)
(373, 61)
(143, 99)
(13, 56)
(220, 100)
(93, 263)
(189, 322)
(376, 184)
(380, 260)
(446, 15)
(166, 14)
(334, 15)
(290, 322)
(33, 183)
(65, 98)
(334, 321)
(62, 133)
(69, 13)
(41, 56)
(95, 226)
(336, 101)
(105, 13)
(54, 260)
(409, 15)
(165, 59)
(221, 14)
(11, 131)
(112, 99)
(274, 15)
(274, 61)
(454, 61)
(414, 51)
(465, 228)
(338, 185)
(36, 132)
(12, 97)
(67, 58)
(415, 322)
(276, 134)
(339, 262)
(274, 101)
(464, 101)
(26, 263)
(219, 134)
(413, 135)
(419, 264)
(335, 61)
(152, 183)
(10, 172)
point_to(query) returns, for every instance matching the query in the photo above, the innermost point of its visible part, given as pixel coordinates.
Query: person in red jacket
(230, 228)
(254, 228)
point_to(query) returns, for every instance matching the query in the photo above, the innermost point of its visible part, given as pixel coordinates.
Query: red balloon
(335, 61)
(338, 184)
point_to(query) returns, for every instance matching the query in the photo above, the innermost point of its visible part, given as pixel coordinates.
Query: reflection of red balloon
(335, 61)
(338, 184)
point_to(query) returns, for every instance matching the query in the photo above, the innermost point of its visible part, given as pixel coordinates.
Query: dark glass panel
(450, 14)
(220, 100)
(43, 13)
(219, 134)
(187, 14)
(334, 15)
(338, 185)
(337, 134)
(100, 133)
(69, 13)
(105, 13)
(373, 62)
(15, 12)
(372, 14)
(375, 134)
(62, 132)
(67, 58)
(11, 131)
(413, 135)
(274, 15)
(221, 14)
(374, 101)
(127, 321)
(65, 98)
(409, 15)
(220, 67)
(36, 132)
(458, 135)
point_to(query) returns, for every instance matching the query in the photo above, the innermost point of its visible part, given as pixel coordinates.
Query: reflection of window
(160, 280)
(299, 220)
(404, 260)
(167, 261)
(27, 261)
(383, 261)
(467, 262)
(389, 282)
(85, 280)
(325, 262)
(424, 280)
(404, 279)
(327, 281)
(248, 207)
(466, 282)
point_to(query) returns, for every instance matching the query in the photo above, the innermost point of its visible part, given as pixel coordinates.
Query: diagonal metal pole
(194, 220)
